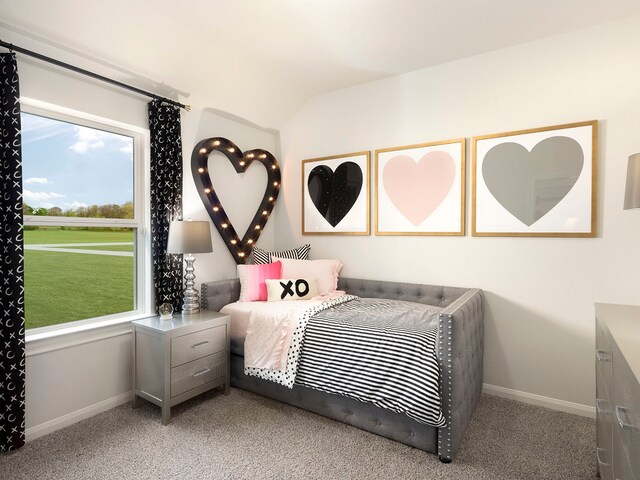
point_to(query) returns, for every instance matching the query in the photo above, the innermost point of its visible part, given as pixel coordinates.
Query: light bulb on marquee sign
(239, 248)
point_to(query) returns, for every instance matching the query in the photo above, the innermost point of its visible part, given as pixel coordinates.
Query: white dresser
(174, 360)
(618, 391)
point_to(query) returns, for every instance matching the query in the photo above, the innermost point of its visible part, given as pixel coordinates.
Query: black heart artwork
(335, 193)
(240, 248)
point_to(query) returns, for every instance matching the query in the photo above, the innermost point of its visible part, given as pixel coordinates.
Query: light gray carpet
(245, 436)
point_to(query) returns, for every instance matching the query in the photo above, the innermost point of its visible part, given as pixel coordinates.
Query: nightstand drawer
(196, 345)
(193, 374)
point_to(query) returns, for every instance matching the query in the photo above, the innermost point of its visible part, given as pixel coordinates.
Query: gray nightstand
(174, 360)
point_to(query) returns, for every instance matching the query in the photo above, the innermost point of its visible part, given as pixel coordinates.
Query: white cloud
(40, 196)
(83, 139)
(88, 139)
(92, 139)
(40, 180)
(128, 149)
(75, 205)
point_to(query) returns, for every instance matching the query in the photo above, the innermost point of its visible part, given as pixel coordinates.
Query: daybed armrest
(461, 351)
(216, 295)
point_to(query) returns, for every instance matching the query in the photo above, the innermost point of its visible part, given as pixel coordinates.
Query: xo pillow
(263, 256)
(252, 280)
(325, 272)
(291, 289)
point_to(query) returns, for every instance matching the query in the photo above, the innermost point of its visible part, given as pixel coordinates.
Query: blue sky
(69, 166)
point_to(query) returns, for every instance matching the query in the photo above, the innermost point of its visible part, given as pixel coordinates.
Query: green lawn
(111, 248)
(55, 235)
(62, 287)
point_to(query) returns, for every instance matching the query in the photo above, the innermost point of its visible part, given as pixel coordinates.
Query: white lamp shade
(189, 237)
(632, 191)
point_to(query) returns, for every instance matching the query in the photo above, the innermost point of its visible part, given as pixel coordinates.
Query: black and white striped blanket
(378, 351)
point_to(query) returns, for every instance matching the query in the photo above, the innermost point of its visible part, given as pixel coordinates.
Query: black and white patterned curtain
(166, 199)
(12, 348)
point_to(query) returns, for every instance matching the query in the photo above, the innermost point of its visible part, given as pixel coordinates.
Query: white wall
(77, 375)
(539, 291)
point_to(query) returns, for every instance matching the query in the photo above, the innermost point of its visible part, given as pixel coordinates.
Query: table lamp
(189, 237)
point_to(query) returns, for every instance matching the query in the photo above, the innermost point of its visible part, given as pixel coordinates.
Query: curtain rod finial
(187, 108)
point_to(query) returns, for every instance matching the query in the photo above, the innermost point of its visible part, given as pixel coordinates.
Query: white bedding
(240, 312)
(267, 328)
(273, 333)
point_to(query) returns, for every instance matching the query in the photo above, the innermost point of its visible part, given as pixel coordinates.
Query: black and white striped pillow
(261, 257)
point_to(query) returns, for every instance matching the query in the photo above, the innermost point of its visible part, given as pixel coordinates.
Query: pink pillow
(252, 277)
(324, 271)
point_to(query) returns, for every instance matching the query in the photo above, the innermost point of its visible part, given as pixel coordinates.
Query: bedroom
(539, 292)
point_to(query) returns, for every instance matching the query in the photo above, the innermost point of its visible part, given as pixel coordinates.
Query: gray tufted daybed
(460, 347)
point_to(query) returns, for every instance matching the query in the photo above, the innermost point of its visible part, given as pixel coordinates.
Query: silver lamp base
(191, 301)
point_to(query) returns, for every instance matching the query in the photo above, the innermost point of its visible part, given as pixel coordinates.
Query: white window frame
(140, 223)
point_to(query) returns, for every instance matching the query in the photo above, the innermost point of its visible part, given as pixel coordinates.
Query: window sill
(40, 342)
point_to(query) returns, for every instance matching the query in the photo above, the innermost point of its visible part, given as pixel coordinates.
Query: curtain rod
(82, 71)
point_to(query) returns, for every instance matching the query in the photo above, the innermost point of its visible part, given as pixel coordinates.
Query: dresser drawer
(604, 364)
(193, 374)
(618, 390)
(602, 339)
(605, 468)
(193, 346)
(604, 417)
(626, 410)
(622, 469)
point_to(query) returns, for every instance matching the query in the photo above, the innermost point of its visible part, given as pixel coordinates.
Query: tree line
(92, 211)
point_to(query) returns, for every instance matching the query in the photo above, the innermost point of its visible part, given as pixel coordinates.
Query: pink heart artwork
(417, 189)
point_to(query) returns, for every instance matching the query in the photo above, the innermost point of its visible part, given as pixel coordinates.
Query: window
(84, 204)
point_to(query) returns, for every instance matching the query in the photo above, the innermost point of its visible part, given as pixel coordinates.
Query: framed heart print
(536, 183)
(335, 195)
(420, 189)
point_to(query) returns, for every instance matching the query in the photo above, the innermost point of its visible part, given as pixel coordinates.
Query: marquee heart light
(240, 248)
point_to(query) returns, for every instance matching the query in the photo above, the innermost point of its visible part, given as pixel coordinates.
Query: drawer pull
(199, 344)
(602, 406)
(600, 462)
(622, 412)
(206, 370)
(603, 356)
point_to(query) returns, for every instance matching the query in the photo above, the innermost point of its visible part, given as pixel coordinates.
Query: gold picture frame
(420, 189)
(540, 182)
(336, 195)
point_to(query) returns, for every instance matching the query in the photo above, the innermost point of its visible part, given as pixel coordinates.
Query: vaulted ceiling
(263, 59)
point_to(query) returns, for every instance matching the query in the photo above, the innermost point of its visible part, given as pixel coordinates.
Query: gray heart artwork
(530, 184)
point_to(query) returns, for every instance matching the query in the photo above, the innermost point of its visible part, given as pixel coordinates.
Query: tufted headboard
(216, 295)
(409, 292)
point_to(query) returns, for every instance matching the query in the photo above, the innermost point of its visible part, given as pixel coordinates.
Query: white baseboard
(69, 419)
(533, 399)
